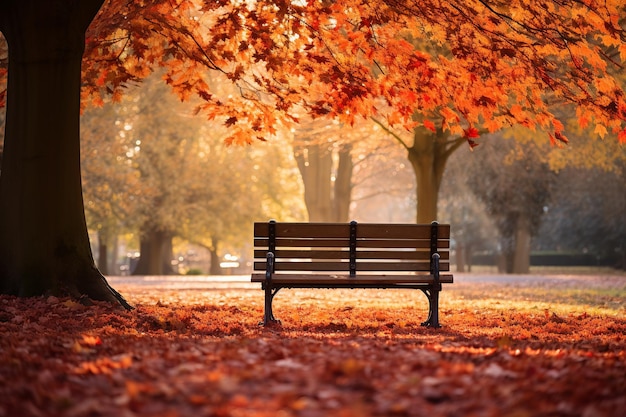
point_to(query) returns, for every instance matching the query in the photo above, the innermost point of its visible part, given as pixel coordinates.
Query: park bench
(352, 255)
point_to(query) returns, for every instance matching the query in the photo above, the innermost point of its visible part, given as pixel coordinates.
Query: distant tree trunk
(521, 254)
(516, 248)
(44, 244)
(428, 157)
(315, 164)
(113, 255)
(155, 253)
(460, 257)
(215, 268)
(326, 200)
(342, 190)
(107, 246)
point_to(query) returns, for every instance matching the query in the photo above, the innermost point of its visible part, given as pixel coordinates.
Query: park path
(242, 282)
(604, 290)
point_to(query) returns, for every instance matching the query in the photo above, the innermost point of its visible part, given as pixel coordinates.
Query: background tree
(164, 137)
(588, 192)
(244, 185)
(343, 166)
(383, 182)
(111, 186)
(473, 227)
(167, 173)
(323, 151)
(428, 153)
(515, 187)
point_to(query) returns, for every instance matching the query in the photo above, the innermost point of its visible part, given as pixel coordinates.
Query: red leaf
(471, 132)
(430, 126)
(101, 81)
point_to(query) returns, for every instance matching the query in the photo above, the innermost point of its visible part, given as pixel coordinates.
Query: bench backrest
(353, 248)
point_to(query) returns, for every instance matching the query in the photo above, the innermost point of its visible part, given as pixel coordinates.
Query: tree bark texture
(44, 244)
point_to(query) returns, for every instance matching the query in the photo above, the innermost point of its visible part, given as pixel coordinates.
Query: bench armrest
(435, 269)
(435, 272)
(269, 268)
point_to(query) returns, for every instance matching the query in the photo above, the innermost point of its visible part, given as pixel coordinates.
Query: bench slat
(345, 266)
(401, 231)
(364, 279)
(310, 230)
(365, 230)
(345, 243)
(337, 254)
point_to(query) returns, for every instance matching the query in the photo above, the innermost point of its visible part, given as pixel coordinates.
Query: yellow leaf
(600, 130)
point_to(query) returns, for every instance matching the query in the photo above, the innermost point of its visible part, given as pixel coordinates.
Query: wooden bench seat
(352, 255)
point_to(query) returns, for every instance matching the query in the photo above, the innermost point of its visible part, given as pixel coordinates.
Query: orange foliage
(465, 63)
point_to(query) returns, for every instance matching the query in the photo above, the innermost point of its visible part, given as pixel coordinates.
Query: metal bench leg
(270, 291)
(268, 315)
(430, 307)
(433, 307)
(433, 291)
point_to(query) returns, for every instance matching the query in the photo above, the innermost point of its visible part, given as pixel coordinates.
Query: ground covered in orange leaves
(510, 346)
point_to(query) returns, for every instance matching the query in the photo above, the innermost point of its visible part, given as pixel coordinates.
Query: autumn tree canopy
(479, 65)
(484, 64)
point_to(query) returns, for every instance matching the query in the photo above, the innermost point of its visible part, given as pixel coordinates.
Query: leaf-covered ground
(510, 346)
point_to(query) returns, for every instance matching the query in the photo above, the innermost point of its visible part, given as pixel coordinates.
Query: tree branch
(390, 132)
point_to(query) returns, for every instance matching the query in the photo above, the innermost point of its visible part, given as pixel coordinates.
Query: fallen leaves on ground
(530, 351)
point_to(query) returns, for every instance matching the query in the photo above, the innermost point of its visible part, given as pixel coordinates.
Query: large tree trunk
(44, 245)
(155, 248)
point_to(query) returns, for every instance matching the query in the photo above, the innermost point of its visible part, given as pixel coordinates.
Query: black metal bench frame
(325, 258)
